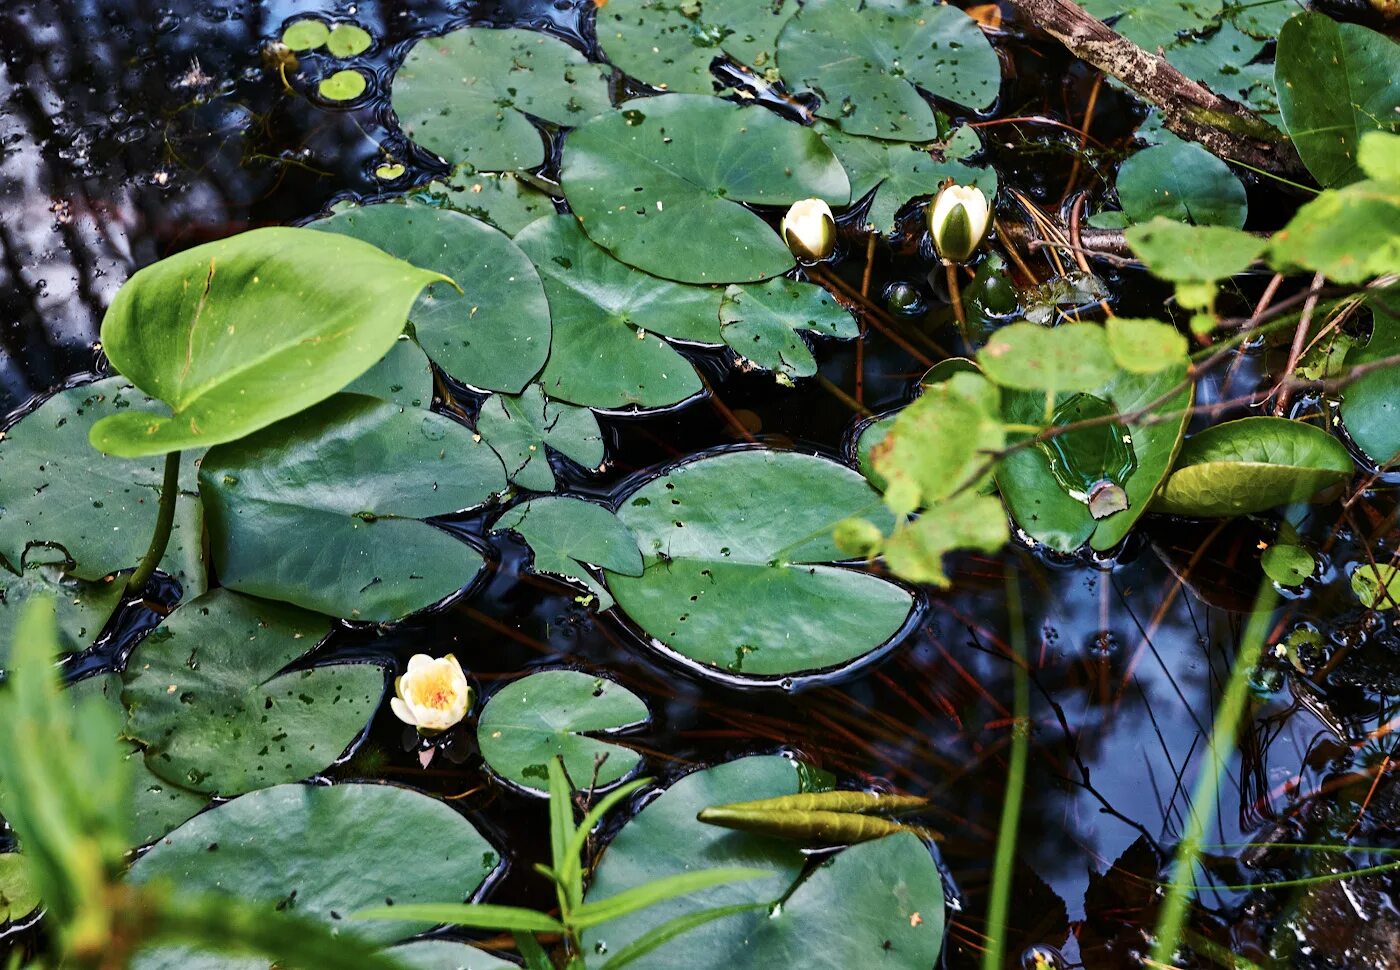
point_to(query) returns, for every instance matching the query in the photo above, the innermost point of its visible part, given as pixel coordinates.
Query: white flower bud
(958, 221)
(433, 694)
(809, 229)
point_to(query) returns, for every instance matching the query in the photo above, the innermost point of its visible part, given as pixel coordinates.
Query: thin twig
(1295, 352)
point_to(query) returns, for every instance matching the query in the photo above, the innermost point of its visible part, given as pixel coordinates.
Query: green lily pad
(210, 701)
(1251, 465)
(305, 35)
(446, 955)
(565, 533)
(348, 40)
(888, 892)
(1188, 254)
(1182, 181)
(403, 376)
(1377, 587)
(346, 85)
(868, 61)
(502, 200)
(466, 96)
(732, 545)
(519, 427)
(1228, 60)
(158, 805)
(761, 322)
(1346, 234)
(554, 713)
(307, 312)
(1154, 23)
(495, 333)
(63, 502)
(18, 895)
(322, 853)
(1335, 83)
(1029, 357)
(899, 171)
(670, 43)
(82, 606)
(1287, 565)
(1371, 404)
(324, 510)
(660, 183)
(606, 317)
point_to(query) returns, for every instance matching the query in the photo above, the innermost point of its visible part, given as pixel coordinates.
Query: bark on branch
(1224, 127)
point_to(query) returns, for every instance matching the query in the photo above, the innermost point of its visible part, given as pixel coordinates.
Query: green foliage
(348, 40)
(1377, 586)
(1144, 346)
(761, 322)
(1346, 234)
(660, 182)
(83, 607)
(344, 85)
(1183, 182)
(519, 427)
(1191, 254)
(1154, 23)
(1027, 357)
(1287, 564)
(915, 549)
(1371, 405)
(466, 96)
(503, 200)
(566, 533)
(18, 895)
(305, 35)
(403, 376)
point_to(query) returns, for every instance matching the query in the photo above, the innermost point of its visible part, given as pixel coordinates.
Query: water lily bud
(433, 694)
(809, 229)
(958, 221)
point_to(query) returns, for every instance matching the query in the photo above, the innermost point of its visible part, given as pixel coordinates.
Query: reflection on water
(131, 131)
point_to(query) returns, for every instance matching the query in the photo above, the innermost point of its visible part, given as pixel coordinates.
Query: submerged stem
(165, 519)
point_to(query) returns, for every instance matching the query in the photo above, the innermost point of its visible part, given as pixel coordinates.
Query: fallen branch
(1224, 127)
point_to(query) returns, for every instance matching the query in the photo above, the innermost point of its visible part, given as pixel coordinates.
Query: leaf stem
(165, 519)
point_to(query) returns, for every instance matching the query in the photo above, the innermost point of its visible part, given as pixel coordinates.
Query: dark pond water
(132, 130)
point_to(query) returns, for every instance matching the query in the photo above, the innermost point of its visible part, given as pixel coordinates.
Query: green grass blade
(477, 916)
(671, 929)
(532, 953)
(561, 829)
(658, 891)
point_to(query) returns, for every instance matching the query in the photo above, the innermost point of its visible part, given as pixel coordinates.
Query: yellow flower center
(434, 689)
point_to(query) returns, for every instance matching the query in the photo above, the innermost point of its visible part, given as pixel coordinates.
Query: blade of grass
(532, 953)
(477, 916)
(561, 827)
(671, 929)
(658, 891)
(572, 872)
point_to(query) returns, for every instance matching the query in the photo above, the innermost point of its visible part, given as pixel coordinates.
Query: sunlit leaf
(1029, 357)
(1286, 564)
(305, 35)
(346, 85)
(916, 549)
(18, 895)
(1144, 346)
(1182, 253)
(1347, 234)
(348, 40)
(1377, 586)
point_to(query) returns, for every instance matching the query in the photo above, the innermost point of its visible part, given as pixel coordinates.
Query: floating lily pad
(519, 427)
(1228, 60)
(1154, 23)
(308, 313)
(867, 62)
(324, 510)
(217, 711)
(1336, 83)
(305, 35)
(446, 955)
(1182, 181)
(1377, 587)
(659, 185)
(732, 545)
(158, 805)
(467, 95)
(82, 607)
(505, 201)
(1371, 403)
(670, 43)
(495, 333)
(345, 85)
(403, 376)
(565, 533)
(899, 171)
(762, 322)
(554, 713)
(888, 892)
(322, 853)
(347, 40)
(62, 501)
(18, 895)
(606, 316)
(1286, 564)
(1252, 465)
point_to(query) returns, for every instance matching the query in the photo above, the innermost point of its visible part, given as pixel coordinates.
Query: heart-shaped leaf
(321, 852)
(213, 703)
(1154, 23)
(731, 545)
(660, 183)
(1180, 180)
(606, 313)
(237, 334)
(494, 334)
(553, 714)
(324, 510)
(469, 96)
(1286, 564)
(504, 201)
(1251, 465)
(564, 533)
(761, 322)
(1371, 403)
(868, 61)
(518, 427)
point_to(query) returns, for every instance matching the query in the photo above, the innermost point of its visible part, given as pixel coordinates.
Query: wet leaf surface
(761, 322)
(565, 533)
(518, 428)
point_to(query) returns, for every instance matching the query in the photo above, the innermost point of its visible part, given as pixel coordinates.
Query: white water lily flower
(433, 694)
(809, 229)
(958, 221)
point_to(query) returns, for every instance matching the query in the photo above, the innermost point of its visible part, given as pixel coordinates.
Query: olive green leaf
(1189, 254)
(565, 533)
(237, 334)
(403, 376)
(446, 955)
(347, 40)
(18, 895)
(518, 427)
(965, 521)
(1154, 23)
(1251, 465)
(82, 606)
(821, 818)
(469, 96)
(1029, 357)
(1144, 346)
(761, 322)
(555, 713)
(1377, 586)
(661, 185)
(1347, 234)
(1287, 564)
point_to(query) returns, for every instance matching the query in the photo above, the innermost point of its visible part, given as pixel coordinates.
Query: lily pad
(868, 62)
(321, 852)
(82, 606)
(1335, 83)
(761, 322)
(61, 501)
(555, 713)
(18, 895)
(888, 892)
(217, 710)
(348, 40)
(1252, 465)
(1286, 564)
(469, 96)
(502, 200)
(307, 313)
(732, 545)
(446, 955)
(1371, 403)
(495, 333)
(305, 35)
(346, 85)
(403, 376)
(670, 43)
(606, 316)
(1029, 357)
(519, 427)
(1182, 181)
(898, 171)
(1229, 62)
(660, 183)
(565, 533)
(1154, 23)
(324, 510)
